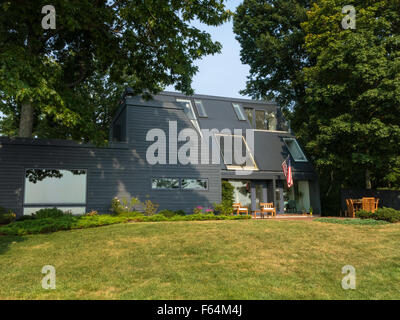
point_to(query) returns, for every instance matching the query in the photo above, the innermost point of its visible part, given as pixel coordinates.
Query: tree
(49, 78)
(340, 85)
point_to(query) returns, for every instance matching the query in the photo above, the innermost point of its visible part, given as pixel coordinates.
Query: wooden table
(254, 212)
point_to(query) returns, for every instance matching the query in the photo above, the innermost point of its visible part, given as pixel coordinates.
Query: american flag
(287, 170)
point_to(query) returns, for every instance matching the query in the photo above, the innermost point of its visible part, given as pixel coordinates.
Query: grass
(270, 259)
(352, 221)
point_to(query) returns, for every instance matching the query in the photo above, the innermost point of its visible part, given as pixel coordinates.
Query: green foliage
(68, 222)
(6, 218)
(150, 208)
(180, 213)
(167, 213)
(351, 221)
(385, 214)
(119, 206)
(72, 76)
(223, 208)
(227, 193)
(49, 213)
(198, 210)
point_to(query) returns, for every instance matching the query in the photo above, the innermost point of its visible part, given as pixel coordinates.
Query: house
(158, 151)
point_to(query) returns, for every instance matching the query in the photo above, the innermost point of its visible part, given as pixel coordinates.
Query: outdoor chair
(350, 208)
(239, 209)
(368, 204)
(268, 207)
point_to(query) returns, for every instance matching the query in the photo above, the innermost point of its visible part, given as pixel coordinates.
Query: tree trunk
(26, 120)
(368, 184)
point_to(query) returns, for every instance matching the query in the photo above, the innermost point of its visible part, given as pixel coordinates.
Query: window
(47, 188)
(249, 114)
(271, 121)
(239, 111)
(194, 184)
(200, 109)
(295, 150)
(164, 183)
(260, 119)
(187, 106)
(236, 153)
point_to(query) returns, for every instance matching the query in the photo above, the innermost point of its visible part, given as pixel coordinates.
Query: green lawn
(268, 259)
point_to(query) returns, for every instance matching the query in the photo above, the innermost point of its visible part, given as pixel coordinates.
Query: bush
(180, 213)
(150, 208)
(92, 213)
(68, 222)
(223, 209)
(227, 193)
(167, 213)
(7, 218)
(198, 210)
(49, 213)
(385, 214)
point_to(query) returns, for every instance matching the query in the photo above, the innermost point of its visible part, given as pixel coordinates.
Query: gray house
(173, 150)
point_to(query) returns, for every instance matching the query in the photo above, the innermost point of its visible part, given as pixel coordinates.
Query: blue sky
(222, 74)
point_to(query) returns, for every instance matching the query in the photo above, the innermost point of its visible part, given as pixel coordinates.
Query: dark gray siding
(121, 170)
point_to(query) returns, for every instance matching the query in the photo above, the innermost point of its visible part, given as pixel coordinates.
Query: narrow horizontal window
(295, 150)
(239, 112)
(195, 184)
(201, 111)
(164, 183)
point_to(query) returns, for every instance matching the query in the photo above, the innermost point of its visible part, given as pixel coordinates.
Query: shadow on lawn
(7, 241)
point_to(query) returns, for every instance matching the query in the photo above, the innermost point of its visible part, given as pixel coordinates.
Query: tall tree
(340, 85)
(49, 77)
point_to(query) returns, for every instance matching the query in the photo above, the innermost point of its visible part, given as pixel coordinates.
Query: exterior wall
(121, 170)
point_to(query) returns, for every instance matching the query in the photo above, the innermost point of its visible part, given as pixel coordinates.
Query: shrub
(227, 193)
(209, 211)
(198, 210)
(223, 209)
(49, 213)
(180, 213)
(150, 208)
(167, 213)
(92, 213)
(68, 222)
(385, 214)
(6, 218)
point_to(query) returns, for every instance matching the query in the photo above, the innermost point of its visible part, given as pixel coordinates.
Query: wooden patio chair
(268, 207)
(376, 204)
(238, 208)
(368, 204)
(350, 208)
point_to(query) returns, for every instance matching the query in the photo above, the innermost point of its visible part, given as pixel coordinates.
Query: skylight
(295, 150)
(239, 111)
(201, 111)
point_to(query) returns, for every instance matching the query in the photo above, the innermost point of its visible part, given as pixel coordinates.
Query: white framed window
(201, 111)
(235, 152)
(239, 111)
(295, 150)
